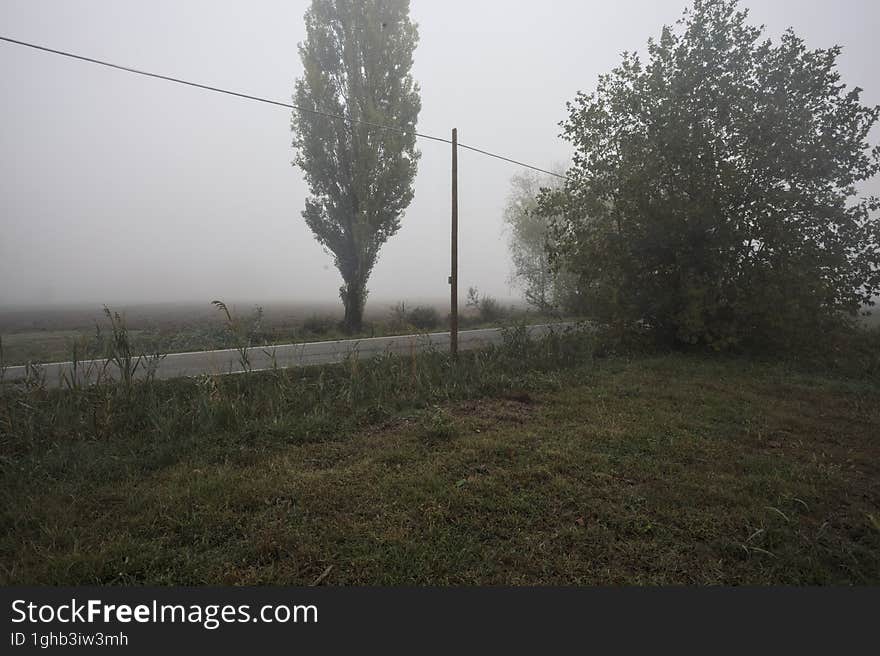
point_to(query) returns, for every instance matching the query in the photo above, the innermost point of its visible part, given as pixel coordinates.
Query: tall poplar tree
(357, 61)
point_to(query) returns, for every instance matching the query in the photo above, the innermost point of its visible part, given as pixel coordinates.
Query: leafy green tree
(546, 288)
(357, 59)
(712, 196)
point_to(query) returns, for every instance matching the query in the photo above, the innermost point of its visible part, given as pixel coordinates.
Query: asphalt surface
(228, 361)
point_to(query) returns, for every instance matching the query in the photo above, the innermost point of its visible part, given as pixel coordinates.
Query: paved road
(226, 361)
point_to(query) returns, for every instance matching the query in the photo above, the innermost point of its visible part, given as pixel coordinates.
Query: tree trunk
(354, 296)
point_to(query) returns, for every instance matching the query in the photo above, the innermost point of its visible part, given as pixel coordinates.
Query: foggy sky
(119, 188)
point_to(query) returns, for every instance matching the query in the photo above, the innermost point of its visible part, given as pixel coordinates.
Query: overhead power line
(268, 101)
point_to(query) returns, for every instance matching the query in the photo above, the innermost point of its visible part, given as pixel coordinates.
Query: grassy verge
(526, 464)
(59, 340)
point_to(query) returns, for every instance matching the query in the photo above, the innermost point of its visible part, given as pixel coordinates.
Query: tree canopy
(529, 240)
(357, 61)
(713, 192)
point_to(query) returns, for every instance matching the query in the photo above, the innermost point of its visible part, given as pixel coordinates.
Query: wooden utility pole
(453, 278)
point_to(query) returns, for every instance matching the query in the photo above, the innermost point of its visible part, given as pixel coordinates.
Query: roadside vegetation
(567, 460)
(83, 334)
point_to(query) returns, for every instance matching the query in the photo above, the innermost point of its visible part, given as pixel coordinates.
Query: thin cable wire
(267, 101)
(512, 161)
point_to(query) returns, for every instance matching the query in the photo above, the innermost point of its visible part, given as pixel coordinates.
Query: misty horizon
(119, 189)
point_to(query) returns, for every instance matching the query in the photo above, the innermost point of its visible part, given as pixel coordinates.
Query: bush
(488, 309)
(423, 317)
(398, 319)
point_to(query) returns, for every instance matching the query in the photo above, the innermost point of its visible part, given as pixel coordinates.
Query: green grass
(527, 464)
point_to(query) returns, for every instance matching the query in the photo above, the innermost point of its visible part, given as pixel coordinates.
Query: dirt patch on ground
(481, 414)
(487, 413)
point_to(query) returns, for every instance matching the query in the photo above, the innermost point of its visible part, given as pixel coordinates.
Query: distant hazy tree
(545, 287)
(487, 308)
(712, 188)
(357, 59)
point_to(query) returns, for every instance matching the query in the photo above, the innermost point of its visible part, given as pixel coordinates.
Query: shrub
(397, 316)
(423, 317)
(487, 307)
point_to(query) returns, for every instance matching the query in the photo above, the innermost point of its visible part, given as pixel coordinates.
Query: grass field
(528, 464)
